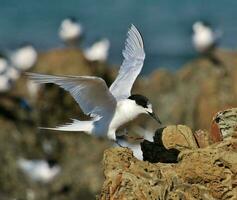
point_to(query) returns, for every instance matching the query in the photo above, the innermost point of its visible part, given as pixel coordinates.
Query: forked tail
(75, 125)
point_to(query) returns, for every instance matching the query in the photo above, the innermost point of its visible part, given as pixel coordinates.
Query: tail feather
(75, 125)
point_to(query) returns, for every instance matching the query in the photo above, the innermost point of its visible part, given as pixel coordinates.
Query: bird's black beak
(155, 117)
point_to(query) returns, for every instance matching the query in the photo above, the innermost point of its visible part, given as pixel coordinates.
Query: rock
(207, 173)
(203, 138)
(178, 137)
(224, 125)
(68, 61)
(168, 142)
(121, 174)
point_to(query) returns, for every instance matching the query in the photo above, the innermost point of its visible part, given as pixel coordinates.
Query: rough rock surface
(205, 174)
(168, 142)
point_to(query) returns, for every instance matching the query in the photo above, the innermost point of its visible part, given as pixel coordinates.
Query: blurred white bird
(111, 107)
(70, 31)
(33, 88)
(8, 75)
(5, 84)
(24, 57)
(39, 170)
(12, 73)
(98, 51)
(204, 38)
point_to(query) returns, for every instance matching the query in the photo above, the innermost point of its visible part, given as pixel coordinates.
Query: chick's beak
(155, 117)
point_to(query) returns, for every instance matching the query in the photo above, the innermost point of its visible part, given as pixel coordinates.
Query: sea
(166, 25)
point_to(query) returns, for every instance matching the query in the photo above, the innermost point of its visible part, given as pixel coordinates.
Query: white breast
(126, 111)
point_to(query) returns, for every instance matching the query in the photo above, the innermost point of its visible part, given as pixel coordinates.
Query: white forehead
(149, 106)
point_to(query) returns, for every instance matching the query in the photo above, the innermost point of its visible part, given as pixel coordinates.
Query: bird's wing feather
(134, 56)
(75, 125)
(91, 93)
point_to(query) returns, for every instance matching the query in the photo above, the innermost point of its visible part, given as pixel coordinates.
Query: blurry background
(185, 87)
(165, 25)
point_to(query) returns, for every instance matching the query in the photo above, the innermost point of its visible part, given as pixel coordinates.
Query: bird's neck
(126, 111)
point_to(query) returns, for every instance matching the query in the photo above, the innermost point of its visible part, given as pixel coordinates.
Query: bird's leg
(135, 138)
(124, 135)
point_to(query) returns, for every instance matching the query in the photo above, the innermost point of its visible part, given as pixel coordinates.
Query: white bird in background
(98, 51)
(204, 38)
(24, 57)
(39, 170)
(111, 107)
(12, 73)
(70, 31)
(5, 84)
(33, 88)
(8, 75)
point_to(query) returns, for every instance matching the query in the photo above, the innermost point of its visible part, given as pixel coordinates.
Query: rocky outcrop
(168, 143)
(196, 173)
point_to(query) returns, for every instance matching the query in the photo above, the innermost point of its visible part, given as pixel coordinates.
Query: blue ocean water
(165, 25)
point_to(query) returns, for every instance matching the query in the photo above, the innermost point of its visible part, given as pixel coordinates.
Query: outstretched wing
(134, 56)
(91, 93)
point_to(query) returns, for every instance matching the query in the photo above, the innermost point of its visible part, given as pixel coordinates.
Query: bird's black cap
(140, 100)
(72, 18)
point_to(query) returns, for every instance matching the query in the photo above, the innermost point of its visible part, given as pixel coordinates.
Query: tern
(8, 74)
(205, 41)
(24, 57)
(111, 107)
(39, 170)
(204, 38)
(70, 31)
(98, 51)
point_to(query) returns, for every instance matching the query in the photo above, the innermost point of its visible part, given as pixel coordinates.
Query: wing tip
(132, 26)
(134, 45)
(135, 34)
